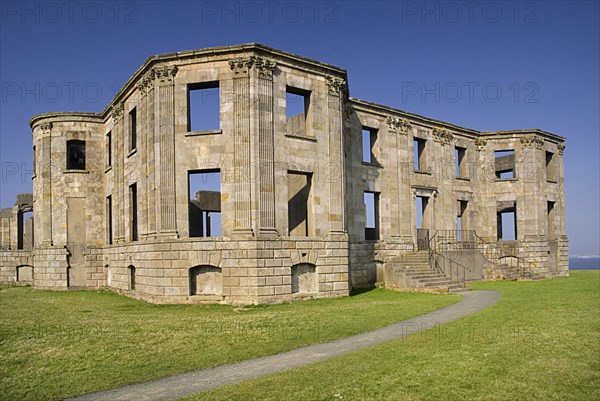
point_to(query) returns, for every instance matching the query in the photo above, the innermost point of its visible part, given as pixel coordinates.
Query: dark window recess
(204, 203)
(297, 107)
(551, 221)
(204, 106)
(133, 212)
(25, 230)
(109, 149)
(299, 204)
(505, 164)
(109, 220)
(371, 200)
(131, 269)
(75, 155)
(550, 167)
(419, 154)
(132, 129)
(459, 158)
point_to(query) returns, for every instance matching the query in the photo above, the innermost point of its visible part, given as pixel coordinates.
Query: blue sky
(487, 65)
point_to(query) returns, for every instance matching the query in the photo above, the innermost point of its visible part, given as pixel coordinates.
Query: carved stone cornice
(241, 66)
(46, 128)
(165, 74)
(335, 85)
(146, 82)
(443, 136)
(264, 67)
(480, 144)
(561, 148)
(398, 125)
(117, 112)
(532, 140)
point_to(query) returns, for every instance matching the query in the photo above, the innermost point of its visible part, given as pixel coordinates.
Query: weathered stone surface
(291, 189)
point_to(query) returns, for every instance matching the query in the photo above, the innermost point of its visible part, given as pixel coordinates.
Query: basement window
(297, 108)
(419, 153)
(204, 106)
(204, 203)
(506, 217)
(369, 145)
(75, 155)
(371, 200)
(505, 164)
(299, 204)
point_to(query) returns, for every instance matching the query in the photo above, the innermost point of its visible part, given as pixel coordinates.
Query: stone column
(45, 219)
(165, 78)
(151, 152)
(263, 74)
(400, 128)
(336, 88)
(142, 176)
(119, 155)
(444, 173)
(241, 145)
(531, 176)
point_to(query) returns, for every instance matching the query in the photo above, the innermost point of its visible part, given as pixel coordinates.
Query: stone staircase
(412, 272)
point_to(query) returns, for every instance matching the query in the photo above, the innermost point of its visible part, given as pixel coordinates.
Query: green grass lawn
(540, 342)
(55, 345)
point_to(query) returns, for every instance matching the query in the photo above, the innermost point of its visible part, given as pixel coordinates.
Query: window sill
(371, 164)
(422, 172)
(76, 171)
(204, 132)
(552, 181)
(132, 152)
(463, 179)
(506, 180)
(304, 137)
(107, 169)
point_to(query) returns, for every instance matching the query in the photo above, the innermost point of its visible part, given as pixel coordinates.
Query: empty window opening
(551, 222)
(204, 106)
(304, 278)
(204, 194)
(371, 200)
(505, 164)
(25, 230)
(34, 161)
(133, 129)
(109, 220)
(75, 155)
(369, 145)
(299, 204)
(420, 209)
(507, 221)
(297, 106)
(459, 159)
(461, 206)
(419, 153)
(109, 149)
(131, 273)
(206, 280)
(550, 167)
(133, 210)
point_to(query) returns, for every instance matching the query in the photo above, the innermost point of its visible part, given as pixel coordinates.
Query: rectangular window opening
(550, 167)
(204, 106)
(299, 204)
(75, 155)
(419, 154)
(25, 230)
(132, 129)
(109, 149)
(371, 200)
(421, 207)
(133, 210)
(551, 222)
(507, 221)
(297, 107)
(505, 164)
(204, 205)
(369, 145)
(459, 158)
(460, 218)
(109, 220)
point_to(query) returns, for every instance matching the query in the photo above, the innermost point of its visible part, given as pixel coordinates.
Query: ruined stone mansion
(245, 174)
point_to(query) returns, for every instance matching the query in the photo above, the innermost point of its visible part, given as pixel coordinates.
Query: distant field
(540, 342)
(56, 345)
